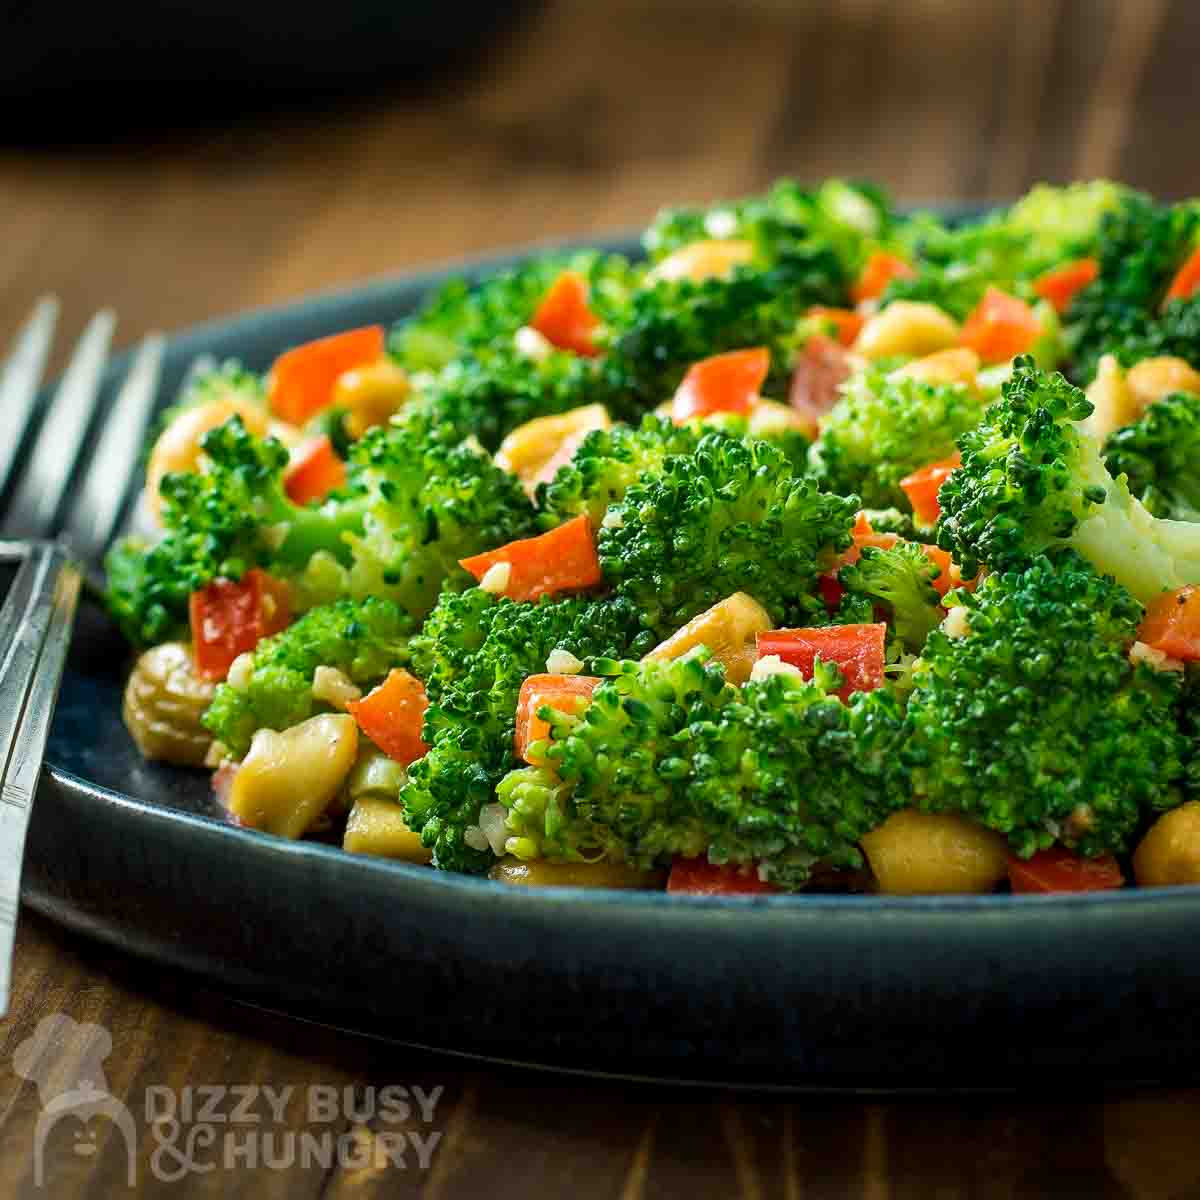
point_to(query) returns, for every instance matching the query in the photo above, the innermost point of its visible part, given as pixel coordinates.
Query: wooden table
(582, 120)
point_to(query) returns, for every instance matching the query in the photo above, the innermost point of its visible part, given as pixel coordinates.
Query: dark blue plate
(810, 992)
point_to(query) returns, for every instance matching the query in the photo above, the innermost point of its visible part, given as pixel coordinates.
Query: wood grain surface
(582, 119)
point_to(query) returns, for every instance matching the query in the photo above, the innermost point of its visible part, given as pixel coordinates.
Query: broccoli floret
(768, 422)
(1035, 722)
(730, 517)
(884, 427)
(220, 522)
(473, 654)
(894, 520)
(1160, 457)
(467, 315)
(901, 580)
(1007, 248)
(669, 759)
(1031, 480)
(606, 463)
(425, 504)
(363, 639)
(1141, 247)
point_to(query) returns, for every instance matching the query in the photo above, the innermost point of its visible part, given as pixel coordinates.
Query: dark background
(183, 167)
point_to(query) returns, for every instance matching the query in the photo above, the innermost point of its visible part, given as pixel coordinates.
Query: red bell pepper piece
(563, 560)
(1172, 624)
(1186, 281)
(1058, 870)
(314, 472)
(699, 877)
(1000, 327)
(879, 271)
(1061, 285)
(302, 379)
(858, 651)
(567, 693)
(921, 488)
(392, 715)
(229, 617)
(724, 383)
(843, 323)
(563, 317)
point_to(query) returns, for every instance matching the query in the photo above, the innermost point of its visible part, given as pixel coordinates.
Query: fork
(54, 536)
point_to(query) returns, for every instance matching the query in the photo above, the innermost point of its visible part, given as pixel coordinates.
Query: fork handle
(35, 632)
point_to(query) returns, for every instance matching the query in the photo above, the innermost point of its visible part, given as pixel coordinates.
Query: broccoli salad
(822, 546)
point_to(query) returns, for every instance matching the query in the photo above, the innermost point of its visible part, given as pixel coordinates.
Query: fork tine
(94, 513)
(49, 471)
(22, 375)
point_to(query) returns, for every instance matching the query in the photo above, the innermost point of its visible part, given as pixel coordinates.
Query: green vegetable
(1160, 456)
(1031, 481)
(732, 516)
(1036, 723)
(473, 654)
(884, 427)
(363, 639)
(225, 381)
(901, 580)
(670, 759)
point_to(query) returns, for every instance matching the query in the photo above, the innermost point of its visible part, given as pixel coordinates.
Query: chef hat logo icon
(64, 1058)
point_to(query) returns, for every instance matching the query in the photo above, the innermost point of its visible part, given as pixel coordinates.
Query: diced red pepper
(845, 323)
(302, 379)
(921, 488)
(724, 383)
(949, 576)
(567, 693)
(563, 560)
(879, 271)
(230, 617)
(314, 472)
(819, 371)
(1186, 281)
(1000, 327)
(1172, 624)
(699, 877)
(858, 651)
(392, 715)
(563, 317)
(1058, 870)
(1061, 285)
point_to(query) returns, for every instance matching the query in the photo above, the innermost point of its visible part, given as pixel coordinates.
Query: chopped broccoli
(1141, 247)
(362, 638)
(894, 520)
(901, 580)
(1035, 722)
(606, 463)
(1031, 480)
(473, 654)
(1160, 457)
(669, 759)
(884, 427)
(730, 517)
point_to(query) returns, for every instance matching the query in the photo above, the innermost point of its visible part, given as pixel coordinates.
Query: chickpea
(1113, 401)
(914, 853)
(958, 365)
(371, 394)
(531, 449)
(908, 327)
(178, 446)
(288, 779)
(1170, 852)
(728, 629)
(1153, 378)
(712, 258)
(539, 873)
(164, 701)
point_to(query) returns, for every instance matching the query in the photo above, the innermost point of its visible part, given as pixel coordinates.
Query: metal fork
(54, 535)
